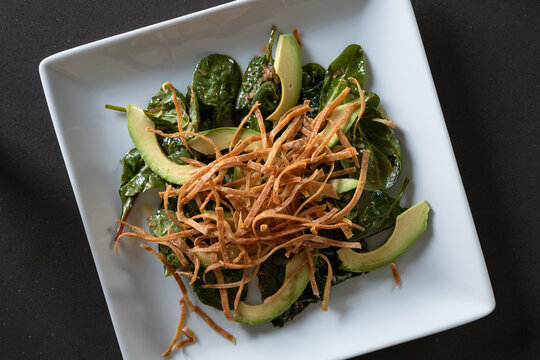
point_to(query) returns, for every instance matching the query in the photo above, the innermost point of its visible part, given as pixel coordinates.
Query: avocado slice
(343, 185)
(336, 116)
(222, 137)
(410, 225)
(288, 66)
(258, 314)
(206, 258)
(147, 144)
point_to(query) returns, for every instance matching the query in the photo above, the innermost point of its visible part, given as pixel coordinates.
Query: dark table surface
(484, 57)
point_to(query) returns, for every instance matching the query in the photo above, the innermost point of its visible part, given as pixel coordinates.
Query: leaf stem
(271, 43)
(115, 108)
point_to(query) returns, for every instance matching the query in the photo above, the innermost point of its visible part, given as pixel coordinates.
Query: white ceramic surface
(445, 282)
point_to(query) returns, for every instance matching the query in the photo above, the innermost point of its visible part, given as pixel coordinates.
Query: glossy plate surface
(445, 282)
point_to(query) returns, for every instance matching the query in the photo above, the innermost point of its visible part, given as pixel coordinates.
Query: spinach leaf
(272, 274)
(350, 63)
(175, 149)
(380, 214)
(372, 101)
(379, 139)
(163, 100)
(171, 258)
(216, 81)
(385, 153)
(259, 83)
(136, 178)
(211, 296)
(312, 82)
(341, 202)
(194, 116)
(159, 223)
(162, 111)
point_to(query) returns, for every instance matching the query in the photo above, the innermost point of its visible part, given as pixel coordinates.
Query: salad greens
(162, 111)
(136, 178)
(220, 93)
(259, 84)
(350, 63)
(313, 76)
(216, 81)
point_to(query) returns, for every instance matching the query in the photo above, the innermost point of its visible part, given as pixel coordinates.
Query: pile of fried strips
(277, 203)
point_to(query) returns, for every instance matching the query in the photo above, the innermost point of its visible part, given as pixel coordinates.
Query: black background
(484, 57)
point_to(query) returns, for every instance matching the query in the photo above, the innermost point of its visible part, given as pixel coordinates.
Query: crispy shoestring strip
(214, 326)
(395, 274)
(328, 283)
(312, 279)
(386, 122)
(277, 202)
(190, 338)
(178, 329)
(295, 34)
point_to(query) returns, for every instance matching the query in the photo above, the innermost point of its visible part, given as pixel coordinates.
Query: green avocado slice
(206, 258)
(344, 184)
(336, 116)
(222, 137)
(288, 66)
(152, 154)
(258, 314)
(410, 225)
(147, 144)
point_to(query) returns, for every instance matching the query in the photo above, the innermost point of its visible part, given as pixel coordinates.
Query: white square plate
(445, 282)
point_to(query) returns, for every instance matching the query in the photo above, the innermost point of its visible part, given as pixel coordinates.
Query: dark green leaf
(159, 223)
(175, 150)
(171, 258)
(216, 81)
(344, 199)
(350, 63)
(163, 100)
(211, 297)
(162, 111)
(136, 178)
(385, 153)
(312, 82)
(191, 209)
(194, 116)
(272, 274)
(379, 139)
(380, 214)
(372, 102)
(259, 83)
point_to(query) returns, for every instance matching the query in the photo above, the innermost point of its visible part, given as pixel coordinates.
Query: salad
(278, 174)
